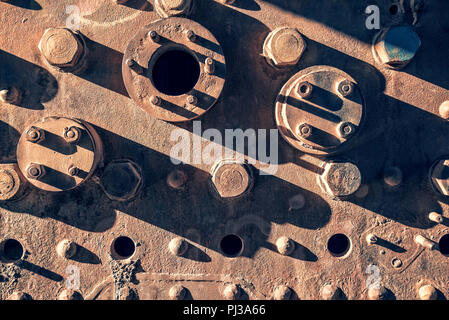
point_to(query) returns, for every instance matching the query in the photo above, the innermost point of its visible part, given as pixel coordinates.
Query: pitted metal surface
(142, 227)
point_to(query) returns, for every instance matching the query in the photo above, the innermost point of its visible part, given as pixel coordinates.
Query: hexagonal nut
(283, 47)
(35, 135)
(438, 175)
(121, 180)
(231, 179)
(12, 183)
(396, 46)
(35, 171)
(61, 47)
(340, 179)
(173, 8)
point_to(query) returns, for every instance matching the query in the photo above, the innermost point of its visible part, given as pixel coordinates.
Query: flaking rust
(100, 198)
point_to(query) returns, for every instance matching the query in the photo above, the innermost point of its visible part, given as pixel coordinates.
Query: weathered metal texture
(315, 97)
(172, 35)
(405, 127)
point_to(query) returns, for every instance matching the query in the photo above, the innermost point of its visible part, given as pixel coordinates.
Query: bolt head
(121, 180)
(35, 171)
(304, 130)
(176, 179)
(178, 246)
(282, 293)
(283, 47)
(396, 46)
(371, 238)
(428, 292)
(345, 130)
(231, 292)
(155, 100)
(72, 134)
(172, 8)
(35, 135)
(340, 179)
(231, 179)
(61, 47)
(345, 88)
(285, 246)
(73, 171)
(192, 100)
(304, 89)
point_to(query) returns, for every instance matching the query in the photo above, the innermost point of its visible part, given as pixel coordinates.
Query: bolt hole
(394, 9)
(123, 248)
(338, 245)
(12, 250)
(231, 245)
(444, 245)
(175, 72)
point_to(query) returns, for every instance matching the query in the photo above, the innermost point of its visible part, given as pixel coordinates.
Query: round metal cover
(65, 163)
(319, 110)
(167, 35)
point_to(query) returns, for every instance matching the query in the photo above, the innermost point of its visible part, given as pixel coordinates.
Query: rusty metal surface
(166, 235)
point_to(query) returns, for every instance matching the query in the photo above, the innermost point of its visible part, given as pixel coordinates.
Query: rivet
(427, 292)
(177, 292)
(192, 100)
(73, 170)
(66, 249)
(282, 293)
(178, 246)
(154, 36)
(176, 179)
(155, 100)
(231, 292)
(371, 238)
(190, 35)
(392, 176)
(285, 246)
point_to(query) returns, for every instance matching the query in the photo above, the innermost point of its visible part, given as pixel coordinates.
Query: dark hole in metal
(124, 247)
(175, 72)
(12, 250)
(444, 244)
(338, 244)
(231, 245)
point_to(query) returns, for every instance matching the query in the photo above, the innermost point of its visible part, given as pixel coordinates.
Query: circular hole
(304, 88)
(123, 248)
(338, 245)
(12, 250)
(394, 9)
(444, 245)
(175, 72)
(231, 245)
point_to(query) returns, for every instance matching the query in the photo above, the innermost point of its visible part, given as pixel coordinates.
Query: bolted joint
(283, 47)
(345, 130)
(304, 130)
(231, 179)
(63, 48)
(304, 89)
(35, 171)
(339, 179)
(396, 46)
(71, 134)
(345, 88)
(190, 35)
(35, 135)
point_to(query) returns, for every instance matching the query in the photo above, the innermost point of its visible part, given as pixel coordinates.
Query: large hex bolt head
(121, 180)
(12, 183)
(231, 179)
(340, 179)
(61, 48)
(172, 8)
(283, 47)
(35, 171)
(396, 46)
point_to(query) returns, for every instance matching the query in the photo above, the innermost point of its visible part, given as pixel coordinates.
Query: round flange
(159, 40)
(57, 162)
(333, 115)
